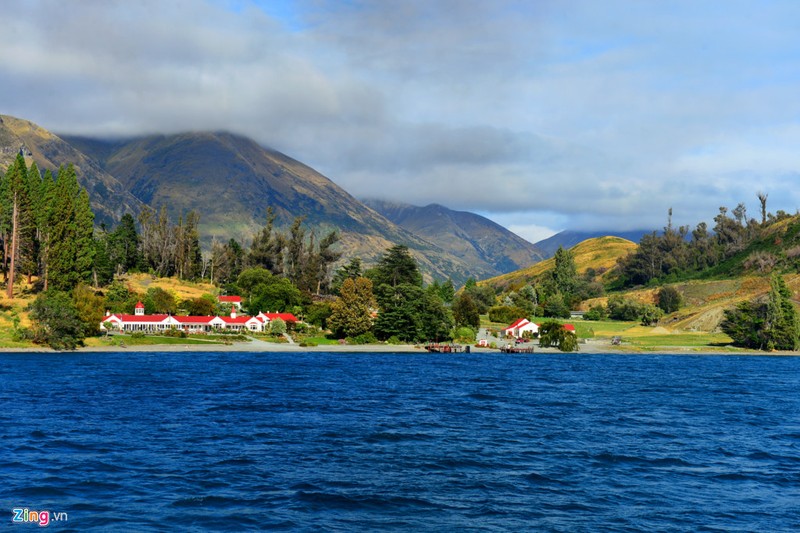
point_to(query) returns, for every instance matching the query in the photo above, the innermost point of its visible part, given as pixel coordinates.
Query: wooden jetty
(515, 349)
(444, 348)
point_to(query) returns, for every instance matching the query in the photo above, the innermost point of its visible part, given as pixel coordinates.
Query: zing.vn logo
(42, 518)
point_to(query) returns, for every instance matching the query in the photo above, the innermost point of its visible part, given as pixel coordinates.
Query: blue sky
(542, 115)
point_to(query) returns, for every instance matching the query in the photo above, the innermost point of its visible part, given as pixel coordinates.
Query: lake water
(407, 442)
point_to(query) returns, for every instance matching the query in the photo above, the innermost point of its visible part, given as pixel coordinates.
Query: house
(139, 321)
(521, 326)
(235, 301)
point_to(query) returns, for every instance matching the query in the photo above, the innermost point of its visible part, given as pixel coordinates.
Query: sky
(541, 115)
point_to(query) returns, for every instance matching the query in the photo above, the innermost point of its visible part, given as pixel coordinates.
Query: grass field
(149, 340)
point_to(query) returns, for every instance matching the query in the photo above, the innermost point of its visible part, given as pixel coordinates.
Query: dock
(445, 348)
(514, 349)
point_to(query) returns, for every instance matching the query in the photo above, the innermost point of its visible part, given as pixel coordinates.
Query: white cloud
(599, 115)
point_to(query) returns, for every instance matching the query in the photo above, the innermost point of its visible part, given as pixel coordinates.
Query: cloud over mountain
(539, 114)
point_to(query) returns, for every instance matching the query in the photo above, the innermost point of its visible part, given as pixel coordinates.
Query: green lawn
(148, 340)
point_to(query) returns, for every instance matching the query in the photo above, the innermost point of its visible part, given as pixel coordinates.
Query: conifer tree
(124, 245)
(71, 250)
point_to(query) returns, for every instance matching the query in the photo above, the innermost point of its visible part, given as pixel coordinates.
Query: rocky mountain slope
(466, 235)
(110, 199)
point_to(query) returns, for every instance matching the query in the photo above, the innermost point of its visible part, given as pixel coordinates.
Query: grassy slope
(600, 253)
(182, 290)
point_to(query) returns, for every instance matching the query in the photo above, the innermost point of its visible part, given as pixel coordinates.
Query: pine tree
(71, 250)
(124, 245)
(43, 216)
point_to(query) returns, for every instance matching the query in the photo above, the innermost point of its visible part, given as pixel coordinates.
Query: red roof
(139, 305)
(231, 299)
(569, 327)
(518, 322)
(195, 319)
(286, 317)
(139, 318)
(236, 320)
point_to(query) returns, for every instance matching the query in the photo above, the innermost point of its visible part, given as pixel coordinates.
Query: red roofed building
(235, 301)
(139, 321)
(521, 326)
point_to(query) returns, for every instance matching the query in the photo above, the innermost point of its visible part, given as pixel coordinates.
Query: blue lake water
(407, 442)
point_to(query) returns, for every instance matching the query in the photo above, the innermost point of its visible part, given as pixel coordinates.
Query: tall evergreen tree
(396, 267)
(71, 250)
(124, 245)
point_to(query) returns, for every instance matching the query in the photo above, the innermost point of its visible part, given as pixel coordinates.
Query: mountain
(231, 181)
(467, 235)
(109, 198)
(567, 239)
(599, 254)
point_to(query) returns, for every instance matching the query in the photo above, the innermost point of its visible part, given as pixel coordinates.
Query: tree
(351, 270)
(397, 267)
(507, 314)
(201, 306)
(465, 311)
(89, 306)
(277, 326)
(71, 249)
(56, 321)
(446, 291)
(483, 296)
(278, 295)
(266, 250)
(555, 307)
(158, 300)
(552, 333)
(620, 308)
(650, 314)
(318, 314)
(762, 199)
(564, 272)
(124, 245)
(669, 299)
(769, 323)
(351, 312)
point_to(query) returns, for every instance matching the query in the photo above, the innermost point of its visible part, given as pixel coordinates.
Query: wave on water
(377, 441)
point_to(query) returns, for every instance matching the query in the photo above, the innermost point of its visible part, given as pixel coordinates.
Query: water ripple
(405, 442)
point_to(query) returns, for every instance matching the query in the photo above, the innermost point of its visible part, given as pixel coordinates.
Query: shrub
(465, 334)
(596, 312)
(620, 308)
(669, 299)
(364, 338)
(277, 327)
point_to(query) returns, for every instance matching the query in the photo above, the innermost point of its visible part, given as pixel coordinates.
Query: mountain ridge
(462, 233)
(109, 198)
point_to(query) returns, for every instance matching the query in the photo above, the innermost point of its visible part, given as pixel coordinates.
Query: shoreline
(259, 346)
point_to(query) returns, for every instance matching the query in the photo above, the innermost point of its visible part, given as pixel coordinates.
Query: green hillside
(599, 254)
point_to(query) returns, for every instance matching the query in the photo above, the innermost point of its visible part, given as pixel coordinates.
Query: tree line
(46, 227)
